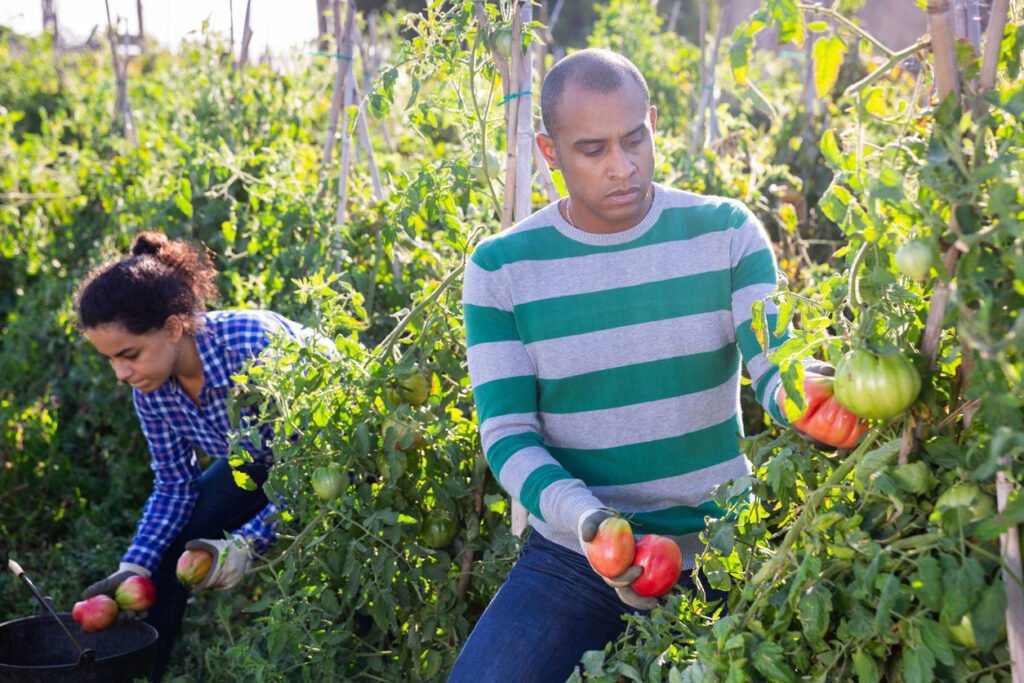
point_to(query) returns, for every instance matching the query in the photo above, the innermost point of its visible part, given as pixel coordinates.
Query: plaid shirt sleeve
(175, 487)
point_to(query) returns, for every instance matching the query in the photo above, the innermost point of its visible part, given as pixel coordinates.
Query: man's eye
(591, 152)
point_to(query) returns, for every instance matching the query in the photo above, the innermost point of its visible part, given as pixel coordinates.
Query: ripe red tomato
(135, 593)
(193, 566)
(662, 563)
(876, 386)
(825, 419)
(611, 551)
(95, 613)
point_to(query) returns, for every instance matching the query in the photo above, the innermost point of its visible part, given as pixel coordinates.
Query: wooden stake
(122, 107)
(343, 45)
(246, 37)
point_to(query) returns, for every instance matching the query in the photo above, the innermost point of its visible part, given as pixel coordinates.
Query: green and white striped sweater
(606, 368)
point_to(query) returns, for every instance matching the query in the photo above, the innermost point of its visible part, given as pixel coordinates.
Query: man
(605, 334)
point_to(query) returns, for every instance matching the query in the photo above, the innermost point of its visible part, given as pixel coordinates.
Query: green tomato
(329, 482)
(438, 528)
(914, 259)
(971, 501)
(412, 387)
(402, 464)
(501, 41)
(876, 386)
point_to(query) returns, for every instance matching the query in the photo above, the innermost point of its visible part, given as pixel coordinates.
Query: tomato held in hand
(135, 593)
(95, 613)
(193, 566)
(876, 386)
(824, 419)
(611, 551)
(662, 563)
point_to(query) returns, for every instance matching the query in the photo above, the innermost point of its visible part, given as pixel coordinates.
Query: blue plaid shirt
(174, 427)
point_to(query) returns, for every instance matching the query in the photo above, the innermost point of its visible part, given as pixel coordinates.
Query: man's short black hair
(593, 69)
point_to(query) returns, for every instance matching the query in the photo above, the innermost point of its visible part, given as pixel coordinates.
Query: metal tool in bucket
(52, 648)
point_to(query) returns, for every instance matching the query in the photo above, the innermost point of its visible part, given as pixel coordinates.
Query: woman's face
(144, 361)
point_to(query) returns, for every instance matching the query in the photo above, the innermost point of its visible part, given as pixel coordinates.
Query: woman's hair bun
(148, 243)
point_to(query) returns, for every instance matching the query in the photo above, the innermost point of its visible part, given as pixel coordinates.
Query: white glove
(586, 529)
(231, 559)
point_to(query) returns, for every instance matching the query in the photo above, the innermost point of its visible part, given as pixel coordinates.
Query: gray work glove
(586, 529)
(109, 586)
(231, 559)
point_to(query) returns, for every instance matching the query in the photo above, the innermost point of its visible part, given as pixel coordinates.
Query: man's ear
(174, 328)
(547, 150)
(654, 117)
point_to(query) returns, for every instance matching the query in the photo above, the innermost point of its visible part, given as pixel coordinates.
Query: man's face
(604, 146)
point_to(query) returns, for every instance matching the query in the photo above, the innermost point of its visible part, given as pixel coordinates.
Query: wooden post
(321, 25)
(122, 107)
(243, 58)
(707, 99)
(142, 32)
(343, 48)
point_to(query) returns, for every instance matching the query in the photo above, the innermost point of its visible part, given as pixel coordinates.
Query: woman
(146, 314)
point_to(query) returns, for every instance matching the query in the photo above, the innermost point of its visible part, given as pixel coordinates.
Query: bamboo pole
(512, 110)
(525, 138)
(243, 59)
(322, 41)
(707, 99)
(343, 45)
(346, 153)
(122, 107)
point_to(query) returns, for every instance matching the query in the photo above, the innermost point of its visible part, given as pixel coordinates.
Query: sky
(279, 24)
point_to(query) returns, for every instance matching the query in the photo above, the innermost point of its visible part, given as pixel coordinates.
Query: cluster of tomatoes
(438, 526)
(613, 550)
(866, 386)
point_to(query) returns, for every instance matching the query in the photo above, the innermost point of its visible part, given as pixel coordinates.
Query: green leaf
(926, 583)
(876, 459)
(936, 640)
(771, 661)
(828, 57)
(865, 666)
(988, 616)
(918, 665)
(830, 149)
(243, 480)
(815, 608)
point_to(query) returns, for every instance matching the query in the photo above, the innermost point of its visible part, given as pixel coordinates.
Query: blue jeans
(551, 609)
(222, 506)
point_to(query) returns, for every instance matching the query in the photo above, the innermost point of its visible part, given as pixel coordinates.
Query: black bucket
(36, 650)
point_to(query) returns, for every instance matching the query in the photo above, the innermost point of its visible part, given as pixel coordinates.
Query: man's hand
(231, 559)
(586, 529)
(108, 586)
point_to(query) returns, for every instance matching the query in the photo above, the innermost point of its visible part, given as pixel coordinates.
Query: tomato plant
(876, 386)
(824, 419)
(662, 563)
(611, 550)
